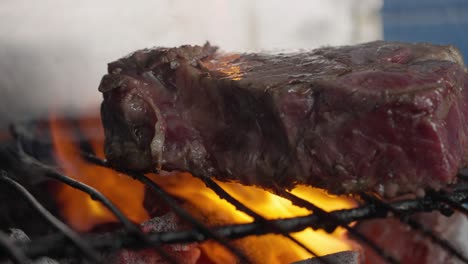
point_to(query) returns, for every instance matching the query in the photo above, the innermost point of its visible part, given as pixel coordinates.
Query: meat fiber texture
(383, 116)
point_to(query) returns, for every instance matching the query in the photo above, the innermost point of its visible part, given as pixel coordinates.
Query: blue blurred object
(435, 21)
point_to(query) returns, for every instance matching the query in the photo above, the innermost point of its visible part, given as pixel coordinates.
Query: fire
(82, 213)
(78, 208)
(264, 249)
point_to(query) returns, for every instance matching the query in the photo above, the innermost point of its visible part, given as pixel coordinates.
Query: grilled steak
(382, 115)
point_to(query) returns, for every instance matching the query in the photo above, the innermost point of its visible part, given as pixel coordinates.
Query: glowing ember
(83, 213)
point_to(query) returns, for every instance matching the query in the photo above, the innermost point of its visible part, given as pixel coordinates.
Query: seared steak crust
(379, 115)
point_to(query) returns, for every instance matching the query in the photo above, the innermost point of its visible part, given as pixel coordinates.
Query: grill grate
(257, 218)
(129, 227)
(89, 253)
(13, 252)
(336, 221)
(133, 237)
(416, 226)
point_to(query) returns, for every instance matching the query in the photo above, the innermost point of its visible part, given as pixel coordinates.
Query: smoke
(54, 52)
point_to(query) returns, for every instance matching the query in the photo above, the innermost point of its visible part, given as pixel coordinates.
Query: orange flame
(83, 213)
(80, 211)
(265, 249)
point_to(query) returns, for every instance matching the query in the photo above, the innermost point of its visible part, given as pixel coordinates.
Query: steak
(383, 116)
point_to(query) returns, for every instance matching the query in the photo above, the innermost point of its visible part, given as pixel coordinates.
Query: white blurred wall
(54, 52)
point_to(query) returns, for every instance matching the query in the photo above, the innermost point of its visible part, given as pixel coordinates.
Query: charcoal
(15, 211)
(383, 116)
(18, 235)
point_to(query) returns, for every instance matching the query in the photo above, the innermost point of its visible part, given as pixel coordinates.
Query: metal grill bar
(167, 198)
(89, 253)
(416, 226)
(434, 201)
(372, 245)
(453, 204)
(319, 211)
(186, 216)
(117, 240)
(11, 250)
(47, 245)
(258, 218)
(131, 228)
(173, 204)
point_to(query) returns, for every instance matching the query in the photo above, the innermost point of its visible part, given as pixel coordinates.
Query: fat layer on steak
(379, 115)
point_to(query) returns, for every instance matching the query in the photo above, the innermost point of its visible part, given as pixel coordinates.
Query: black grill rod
(93, 193)
(86, 147)
(441, 197)
(130, 227)
(12, 251)
(337, 222)
(416, 226)
(89, 253)
(185, 215)
(169, 200)
(114, 240)
(223, 194)
(111, 241)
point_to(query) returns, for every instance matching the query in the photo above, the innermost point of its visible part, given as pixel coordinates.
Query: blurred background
(54, 52)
